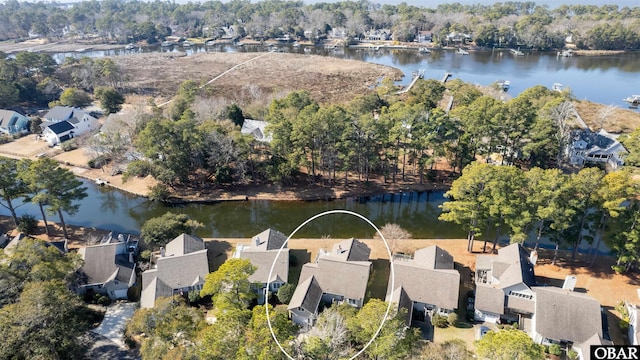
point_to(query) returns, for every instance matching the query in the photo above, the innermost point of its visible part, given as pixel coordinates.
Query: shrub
(439, 321)
(103, 300)
(69, 145)
(158, 192)
(452, 319)
(285, 293)
(515, 325)
(554, 349)
(500, 326)
(98, 162)
(27, 224)
(194, 296)
(4, 139)
(139, 168)
(572, 354)
(145, 255)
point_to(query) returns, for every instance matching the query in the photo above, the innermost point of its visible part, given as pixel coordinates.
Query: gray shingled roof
(6, 116)
(511, 266)
(345, 278)
(60, 113)
(437, 287)
(101, 263)
(433, 257)
(307, 295)
(263, 260)
(520, 304)
(184, 244)
(350, 250)
(489, 299)
(268, 240)
(566, 315)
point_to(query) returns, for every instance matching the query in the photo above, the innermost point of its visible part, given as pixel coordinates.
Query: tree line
(53, 189)
(508, 23)
(590, 205)
(381, 134)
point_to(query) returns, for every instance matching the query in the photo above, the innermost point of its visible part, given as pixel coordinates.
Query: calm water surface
(603, 79)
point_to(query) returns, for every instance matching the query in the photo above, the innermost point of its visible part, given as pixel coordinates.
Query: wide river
(603, 79)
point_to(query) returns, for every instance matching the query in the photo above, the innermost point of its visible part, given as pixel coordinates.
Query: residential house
(340, 275)
(10, 246)
(337, 33)
(378, 35)
(257, 129)
(58, 133)
(601, 147)
(180, 267)
(81, 120)
(264, 253)
(109, 267)
(12, 122)
(568, 318)
(424, 37)
(634, 323)
(503, 286)
(425, 285)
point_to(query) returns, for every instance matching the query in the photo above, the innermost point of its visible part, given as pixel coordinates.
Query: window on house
(352, 302)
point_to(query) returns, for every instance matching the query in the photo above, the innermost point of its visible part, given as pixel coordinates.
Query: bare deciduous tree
(394, 234)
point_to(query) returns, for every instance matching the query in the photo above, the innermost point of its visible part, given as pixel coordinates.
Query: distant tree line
(525, 24)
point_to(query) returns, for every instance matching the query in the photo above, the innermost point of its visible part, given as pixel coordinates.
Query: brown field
(327, 79)
(620, 121)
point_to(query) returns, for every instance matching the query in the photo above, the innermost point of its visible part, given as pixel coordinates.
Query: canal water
(603, 79)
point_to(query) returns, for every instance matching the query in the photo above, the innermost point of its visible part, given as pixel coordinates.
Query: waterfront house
(180, 267)
(424, 37)
(568, 318)
(378, 35)
(109, 267)
(12, 123)
(588, 147)
(337, 276)
(425, 285)
(58, 132)
(503, 286)
(81, 120)
(262, 251)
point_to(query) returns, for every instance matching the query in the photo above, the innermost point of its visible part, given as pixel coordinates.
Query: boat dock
(446, 77)
(416, 76)
(633, 100)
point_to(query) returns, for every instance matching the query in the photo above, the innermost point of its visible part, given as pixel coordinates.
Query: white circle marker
(386, 314)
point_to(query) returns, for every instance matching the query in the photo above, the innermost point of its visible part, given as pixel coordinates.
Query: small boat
(424, 50)
(557, 87)
(166, 43)
(129, 47)
(462, 51)
(210, 42)
(296, 44)
(187, 44)
(516, 52)
(565, 53)
(239, 44)
(307, 50)
(101, 182)
(633, 100)
(377, 48)
(503, 84)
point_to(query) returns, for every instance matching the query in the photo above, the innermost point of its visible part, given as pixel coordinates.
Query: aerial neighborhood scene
(319, 180)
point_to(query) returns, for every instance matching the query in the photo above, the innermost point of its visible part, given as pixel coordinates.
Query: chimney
(257, 240)
(162, 252)
(120, 238)
(339, 249)
(131, 257)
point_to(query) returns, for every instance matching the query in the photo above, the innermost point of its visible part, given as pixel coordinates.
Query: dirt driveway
(25, 147)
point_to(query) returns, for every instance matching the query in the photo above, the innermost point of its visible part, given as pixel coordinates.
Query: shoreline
(599, 281)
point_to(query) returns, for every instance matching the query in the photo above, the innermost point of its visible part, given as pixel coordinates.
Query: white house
(601, 147)
(81, 121)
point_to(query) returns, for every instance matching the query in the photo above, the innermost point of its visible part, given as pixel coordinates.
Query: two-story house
(264, 252)
(426, 284)
(63, 123)
(339, 275)
(12, 122)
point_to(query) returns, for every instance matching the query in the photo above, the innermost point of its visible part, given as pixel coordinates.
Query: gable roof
(349, 250)
(60, 113)
(566, 315)
(184, 244)
(434, 257)
(510, 267)
(60, 127)
(6, 117)
(306, 296)
(262, 253)
(257, 129)
(422, 282)
(338, 277)
(268, 240)
(106, 262)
